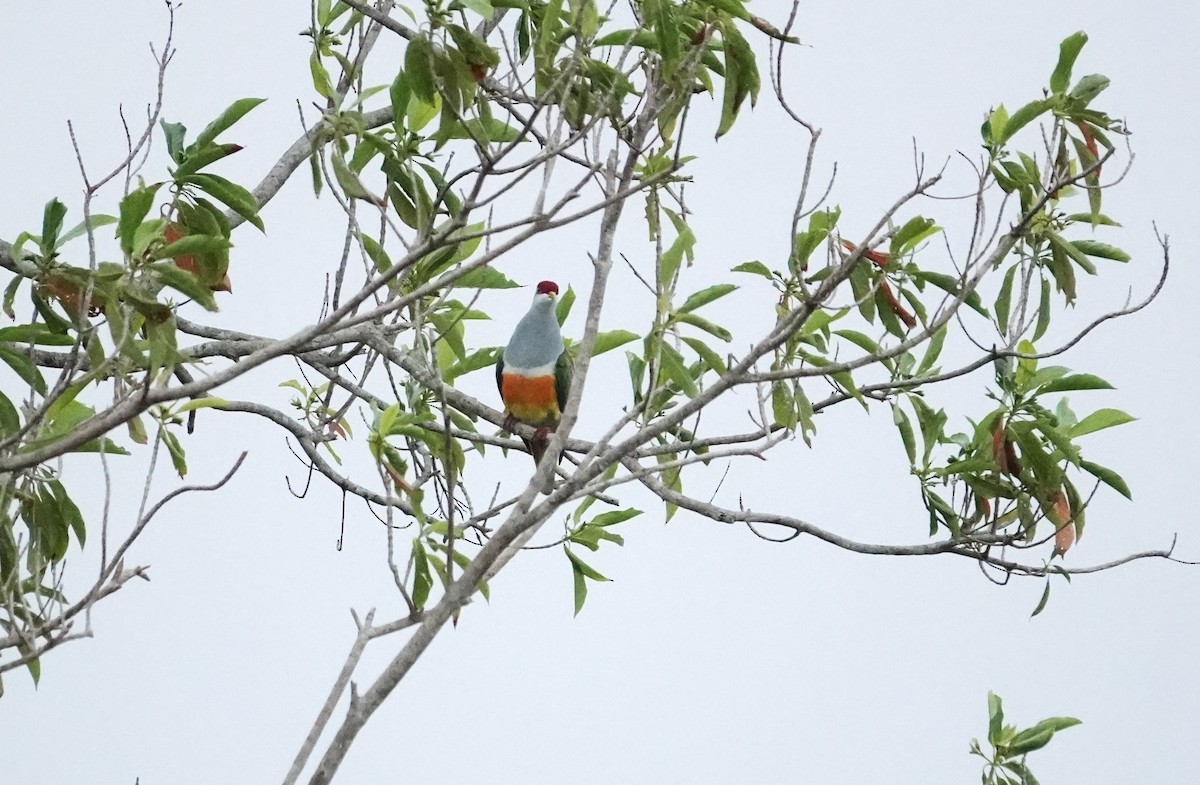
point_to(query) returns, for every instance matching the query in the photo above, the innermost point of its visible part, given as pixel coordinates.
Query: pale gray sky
(712, 657)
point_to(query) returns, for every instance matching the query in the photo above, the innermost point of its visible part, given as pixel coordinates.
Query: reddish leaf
(397, 478)
(188, 263)
(998, 451)
(1058, 510)
(1090, 141)
(70, 294)
(877, 257)
(1003, 450)
(901, 312)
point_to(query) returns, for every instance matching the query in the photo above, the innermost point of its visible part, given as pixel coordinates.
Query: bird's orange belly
(530, 400)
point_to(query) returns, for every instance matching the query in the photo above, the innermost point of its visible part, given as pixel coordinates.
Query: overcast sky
(712, 657)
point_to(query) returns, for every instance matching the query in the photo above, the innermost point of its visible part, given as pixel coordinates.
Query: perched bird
(534, 373)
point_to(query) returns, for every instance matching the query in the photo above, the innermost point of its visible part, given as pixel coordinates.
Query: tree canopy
(948, 317)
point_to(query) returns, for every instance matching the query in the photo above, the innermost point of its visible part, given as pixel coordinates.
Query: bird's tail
(537, 447)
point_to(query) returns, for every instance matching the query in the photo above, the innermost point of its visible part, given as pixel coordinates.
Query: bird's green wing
(500, 373)
(562, 379)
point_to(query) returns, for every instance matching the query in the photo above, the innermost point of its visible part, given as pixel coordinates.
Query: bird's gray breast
(535, 343)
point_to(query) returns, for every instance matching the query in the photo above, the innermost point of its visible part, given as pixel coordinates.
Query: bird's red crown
(547, 287)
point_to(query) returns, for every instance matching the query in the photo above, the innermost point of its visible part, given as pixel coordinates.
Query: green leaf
(1108, 477)
(913, 233)
(932, 423)
(1004, 299)
(1027, 742)
(420, 113)
(674, 369)
(134, 208)
(35, 669)
(485, 278)
(69, 512)
(1033, 174)
(209, 218)
(995, 718)
(614, 517)
(1060, 267)
(375, 252)
(78, 229)
(349, 180)
(1068, 51)
(706, 296)
(864, 342)
(1056, 724)
(1046, 470)
(174, 133)
(232, 195)
(563, 308)
(588, 571)
(1078, 381)
(934, 351)
(607, 341)
(950, 285)
(902, 423)
(666, 28)
(34, 334)
(710, 357)
(234, 112)
(699, 322)
(201, 403)
(1099, 420)
(1024, 116)
(1088, 87)
(494, 131)
(52, 219)
(320, 76)
(637, 373)
(1095, 220)
(580, 584)
(474, 50)
(1059, 439)
(756, 268)
(644, 39)
(820, 224)
(545, 46)
(1043, 320)
(479, 359)
(192, 244)
(175, 450)
(10, 423)
(681, 246)
(1042, 376)
(183, 281)
(146, 234)
(23, 367)
(581, 570)
(1101, 250)
(481, 7)
(741, 75)
(1041, 606)
(399, 94)
(783, 405)
(422, 579)
(1067, 248)
(993, 128)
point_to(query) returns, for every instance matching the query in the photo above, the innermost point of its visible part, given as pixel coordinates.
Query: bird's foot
(510, 423)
